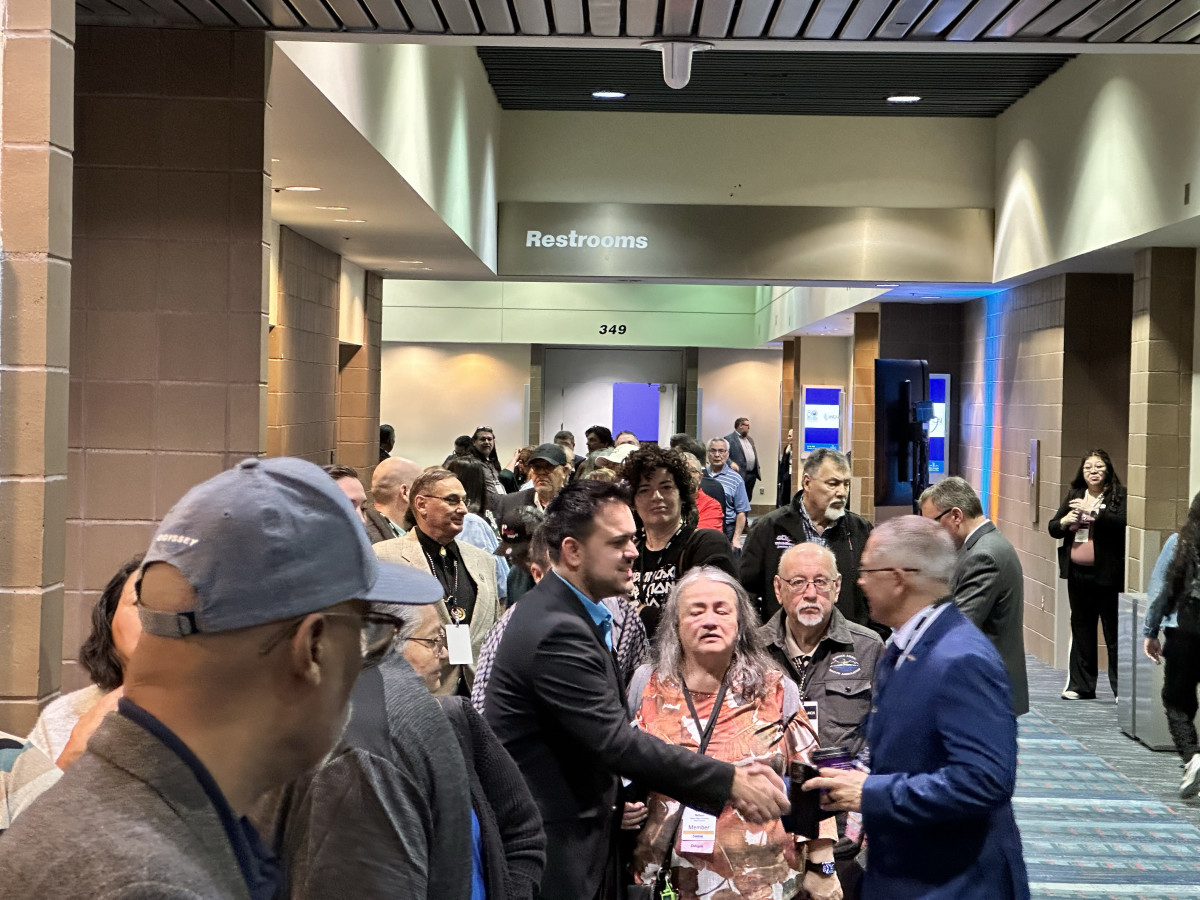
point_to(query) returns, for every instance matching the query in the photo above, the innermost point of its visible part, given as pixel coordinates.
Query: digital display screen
(939, 394)
(822, 418)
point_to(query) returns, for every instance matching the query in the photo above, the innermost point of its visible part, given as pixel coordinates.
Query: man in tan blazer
(437, 505)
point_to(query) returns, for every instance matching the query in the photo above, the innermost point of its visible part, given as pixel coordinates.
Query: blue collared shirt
(260, 869)
(600, 614)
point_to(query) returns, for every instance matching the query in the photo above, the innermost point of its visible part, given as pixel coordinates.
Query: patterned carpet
(1090, 832)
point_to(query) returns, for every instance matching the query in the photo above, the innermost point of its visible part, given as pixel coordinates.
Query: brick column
(37, 62)
(1160, 399)
(168, 309)
(862, 429)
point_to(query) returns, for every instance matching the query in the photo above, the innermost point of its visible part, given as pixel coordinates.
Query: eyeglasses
(938, 517)
(800, 584)
(452, 499)
(377, 633)
(887, 569)
(436, 645)
(1099, 468)
(717, 452)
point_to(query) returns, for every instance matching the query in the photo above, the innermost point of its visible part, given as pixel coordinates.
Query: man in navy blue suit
(937, 805)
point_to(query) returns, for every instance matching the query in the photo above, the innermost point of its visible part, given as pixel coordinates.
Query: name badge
(854, 827)
(810, 710)
(1082, 535)
(458, 645)
(697, 832)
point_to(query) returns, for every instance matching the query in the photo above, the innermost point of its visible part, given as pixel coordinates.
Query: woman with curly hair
(115, 633)
(668, 541)
(1091, 525)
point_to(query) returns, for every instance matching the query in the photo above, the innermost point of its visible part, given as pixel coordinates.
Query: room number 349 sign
(612, 329)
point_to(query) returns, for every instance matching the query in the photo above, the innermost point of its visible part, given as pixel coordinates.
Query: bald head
(807, 553)
(390, 485)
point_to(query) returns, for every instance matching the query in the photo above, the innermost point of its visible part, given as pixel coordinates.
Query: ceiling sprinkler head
(677, 59)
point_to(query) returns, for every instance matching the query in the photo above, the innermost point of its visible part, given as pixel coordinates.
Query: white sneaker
(1190, 786)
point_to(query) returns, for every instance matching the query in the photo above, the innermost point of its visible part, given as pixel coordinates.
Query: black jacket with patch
(782, 528)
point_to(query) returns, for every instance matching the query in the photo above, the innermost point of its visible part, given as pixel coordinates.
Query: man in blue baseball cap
(260, 601)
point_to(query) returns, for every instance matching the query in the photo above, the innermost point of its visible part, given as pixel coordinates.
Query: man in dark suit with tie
(744, 454)
(988, 585)
(556, 701)
(937, 805)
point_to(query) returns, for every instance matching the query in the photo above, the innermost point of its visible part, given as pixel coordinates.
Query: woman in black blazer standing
(1091, 525)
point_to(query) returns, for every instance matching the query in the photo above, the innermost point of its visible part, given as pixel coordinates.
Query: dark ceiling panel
(827, 19)
(1053, 21)
(901, 18)
(1129, 21)
(980, 16)
(1024, 12)
(962, 85)
(863, 19)
(1054, 17)
(1161, 26)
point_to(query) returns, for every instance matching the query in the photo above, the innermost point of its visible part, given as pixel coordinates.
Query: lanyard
(716, 712)
(457, 613)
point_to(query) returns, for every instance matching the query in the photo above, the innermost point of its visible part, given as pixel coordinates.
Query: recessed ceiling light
(903, 98)
(274, 159)
(411, 262)
(609, 95)
(887, 285)
(301, 187)
(351, 221)
(332, 207)
(931, 297)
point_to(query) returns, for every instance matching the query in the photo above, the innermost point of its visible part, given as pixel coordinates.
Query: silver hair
(818, 456)
(951, 492)
(750, 663)
(712, 441)
(821, 549)
(914, 542)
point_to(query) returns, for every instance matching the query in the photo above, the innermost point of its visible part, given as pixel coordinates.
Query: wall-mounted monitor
(939, 427)
(822, 418)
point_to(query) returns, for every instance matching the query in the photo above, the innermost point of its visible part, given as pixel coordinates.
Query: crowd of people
(571, 677)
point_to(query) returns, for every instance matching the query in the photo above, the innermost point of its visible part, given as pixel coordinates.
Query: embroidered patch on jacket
(844, 664)
(782, 542)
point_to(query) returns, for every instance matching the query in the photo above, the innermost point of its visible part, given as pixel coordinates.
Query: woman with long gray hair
(714, 690)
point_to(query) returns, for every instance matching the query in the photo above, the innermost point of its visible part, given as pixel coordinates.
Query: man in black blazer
(744, 453)
(556, 701)
(988, 584)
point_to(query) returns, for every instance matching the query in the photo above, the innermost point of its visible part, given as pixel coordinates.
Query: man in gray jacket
(988, 584)
(832, 660)
(253, 600)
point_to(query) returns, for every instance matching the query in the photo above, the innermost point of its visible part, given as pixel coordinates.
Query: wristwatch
(821, 868)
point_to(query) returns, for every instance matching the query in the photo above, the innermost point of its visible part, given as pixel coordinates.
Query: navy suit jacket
(937, 807)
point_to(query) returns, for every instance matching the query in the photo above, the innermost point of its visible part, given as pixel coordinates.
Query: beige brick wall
(1054, 352)
(302, 374)
(168, 314)
(358, 390)
(862, 420)
(37, 139)
(1160, 400)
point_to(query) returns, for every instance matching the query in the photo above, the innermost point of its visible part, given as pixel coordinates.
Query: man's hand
(86, 727)
(843, 786)
(633, 816)
(1153, 649)
(758, 794)
(822, 887)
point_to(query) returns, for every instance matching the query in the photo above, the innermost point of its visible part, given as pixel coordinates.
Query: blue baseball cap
(268, 540)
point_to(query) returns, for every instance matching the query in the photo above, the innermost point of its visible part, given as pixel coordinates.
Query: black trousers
(1181, 675)
(1090, 601)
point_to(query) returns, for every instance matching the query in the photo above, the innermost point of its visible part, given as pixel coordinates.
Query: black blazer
(557, 703)
(1108, 534)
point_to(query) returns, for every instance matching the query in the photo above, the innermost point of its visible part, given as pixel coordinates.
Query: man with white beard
(818, 515)
(832, 661)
